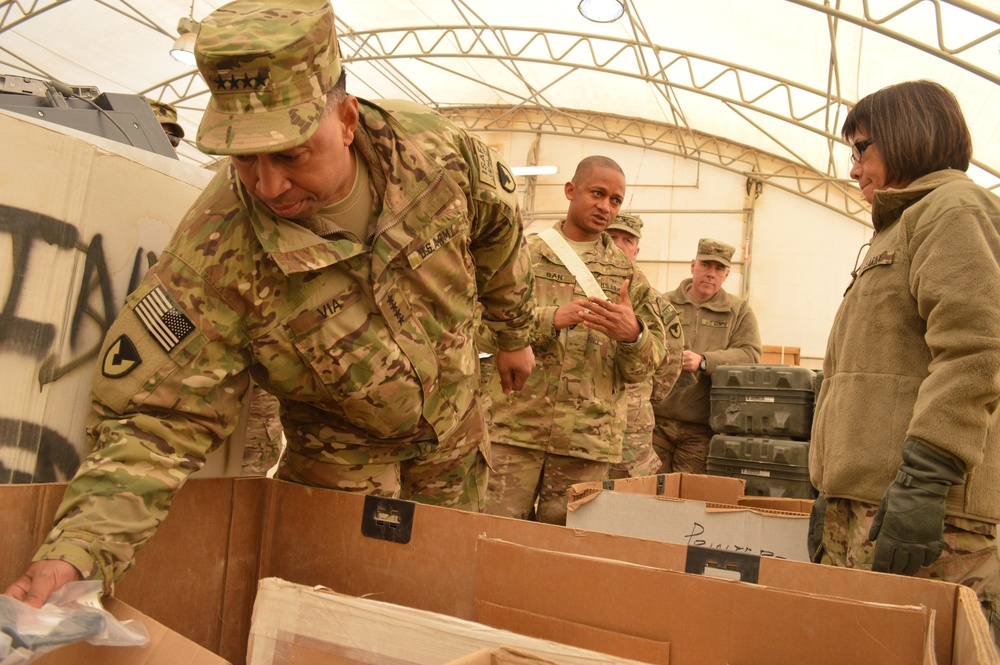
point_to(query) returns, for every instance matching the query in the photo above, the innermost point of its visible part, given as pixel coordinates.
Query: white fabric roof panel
(774, 75)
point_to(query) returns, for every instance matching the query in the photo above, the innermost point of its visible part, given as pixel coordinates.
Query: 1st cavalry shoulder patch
(120, 358)
(161, 317)
(506, 178)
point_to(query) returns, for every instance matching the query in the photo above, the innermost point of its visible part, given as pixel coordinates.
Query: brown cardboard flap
(783, 504)
(208, 550)
(706, 620)
(588, 637)
(165, 647)
(697, 487)
(972, 642)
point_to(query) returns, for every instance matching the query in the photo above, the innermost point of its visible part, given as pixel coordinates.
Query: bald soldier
(719, 329)
(638, 455)
(337, 259)
(596, 329)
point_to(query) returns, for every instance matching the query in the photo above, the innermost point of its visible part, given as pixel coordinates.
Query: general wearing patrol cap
(167, 117)
(715, 250)
(628, 223)
(268, 66)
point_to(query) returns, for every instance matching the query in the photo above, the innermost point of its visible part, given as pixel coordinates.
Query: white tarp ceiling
(774, 76)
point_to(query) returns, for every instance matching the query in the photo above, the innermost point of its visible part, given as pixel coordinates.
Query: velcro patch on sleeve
(484, 162)
(164, 321)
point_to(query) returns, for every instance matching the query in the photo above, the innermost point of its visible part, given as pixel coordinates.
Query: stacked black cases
(763, 415)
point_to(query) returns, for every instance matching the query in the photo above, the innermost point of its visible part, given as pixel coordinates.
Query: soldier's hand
(570, 314)
(40, 580)
(614, 319)
(514, 368)
(692, 361)
(909, 523)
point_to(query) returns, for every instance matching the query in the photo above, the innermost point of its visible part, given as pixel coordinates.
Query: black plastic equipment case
(771, 400)
(770, 467)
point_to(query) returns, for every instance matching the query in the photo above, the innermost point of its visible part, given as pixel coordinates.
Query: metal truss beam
(837, 195)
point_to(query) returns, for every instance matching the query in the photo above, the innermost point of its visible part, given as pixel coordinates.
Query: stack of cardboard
(772, 354)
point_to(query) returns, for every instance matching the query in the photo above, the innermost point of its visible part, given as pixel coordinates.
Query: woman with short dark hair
(905, 447)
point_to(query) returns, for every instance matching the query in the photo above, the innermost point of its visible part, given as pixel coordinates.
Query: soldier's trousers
(641, 461)
(452, 475)
(682, 446)
(969, 556)
(522, 477)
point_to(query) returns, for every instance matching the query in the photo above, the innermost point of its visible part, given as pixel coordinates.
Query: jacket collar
(889, 204)
(720, 302)
(384, 146)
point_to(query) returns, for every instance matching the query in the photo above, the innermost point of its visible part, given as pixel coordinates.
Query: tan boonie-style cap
(715, 250)
(628, 223)
(166, 115)
(268, 66)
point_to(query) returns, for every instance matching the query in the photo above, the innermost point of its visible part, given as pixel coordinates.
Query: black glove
(909, 522)
(817, 520)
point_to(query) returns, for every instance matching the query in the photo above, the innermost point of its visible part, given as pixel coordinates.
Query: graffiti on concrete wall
(57, 348)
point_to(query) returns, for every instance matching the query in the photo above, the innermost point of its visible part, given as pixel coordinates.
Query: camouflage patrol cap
(167, 116)
(715, 250)
(268, 66)
(628, 223)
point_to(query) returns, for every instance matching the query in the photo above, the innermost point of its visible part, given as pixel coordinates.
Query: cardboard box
(298, 625)
(224, 534)
(689, 509)
(165, 647)
(780, 355)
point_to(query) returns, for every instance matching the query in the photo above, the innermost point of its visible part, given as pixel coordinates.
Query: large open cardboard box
(693, 509)
(199, 576)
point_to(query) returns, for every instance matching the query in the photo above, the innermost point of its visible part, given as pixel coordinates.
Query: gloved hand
(909, 522)
(817, 521)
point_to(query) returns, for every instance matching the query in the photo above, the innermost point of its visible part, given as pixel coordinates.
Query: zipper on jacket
(405, 211)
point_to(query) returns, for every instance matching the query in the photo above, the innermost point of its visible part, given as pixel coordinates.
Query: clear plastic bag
(72, 614)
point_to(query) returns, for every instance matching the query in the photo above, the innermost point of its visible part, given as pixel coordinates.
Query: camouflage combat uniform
(573, 408)
(639, 457)
(368, 345)
(724, 330)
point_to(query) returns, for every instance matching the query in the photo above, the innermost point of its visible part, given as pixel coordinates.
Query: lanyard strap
(571, 260)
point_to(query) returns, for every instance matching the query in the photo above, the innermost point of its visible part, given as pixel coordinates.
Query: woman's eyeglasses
(858, 150)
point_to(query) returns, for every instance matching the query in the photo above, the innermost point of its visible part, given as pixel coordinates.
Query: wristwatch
(703, 365)
(642, 329)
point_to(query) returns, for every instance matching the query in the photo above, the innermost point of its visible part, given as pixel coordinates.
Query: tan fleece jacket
(915, 347)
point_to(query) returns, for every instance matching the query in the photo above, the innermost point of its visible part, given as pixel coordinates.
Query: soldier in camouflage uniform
(337, 260)
(638, 456)
(166, 115)
(719, 329)
(566, 426)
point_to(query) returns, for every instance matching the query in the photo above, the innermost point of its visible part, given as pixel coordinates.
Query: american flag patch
(162, 319)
